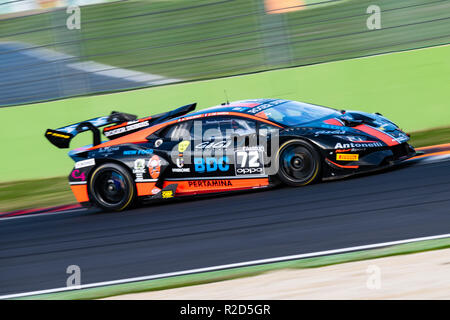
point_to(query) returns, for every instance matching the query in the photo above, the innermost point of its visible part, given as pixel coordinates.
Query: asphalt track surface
(407, 202)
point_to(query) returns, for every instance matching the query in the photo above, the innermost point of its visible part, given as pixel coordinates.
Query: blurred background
(149, 56)
(131, 44)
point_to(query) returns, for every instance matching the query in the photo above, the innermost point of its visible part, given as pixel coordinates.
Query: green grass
(210, 38)
(55, 191)
(31, 194)
(430, 137)
(410, 88)
(228, 274)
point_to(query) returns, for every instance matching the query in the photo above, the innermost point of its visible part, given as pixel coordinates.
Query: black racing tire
(111, 187)
(299, 163)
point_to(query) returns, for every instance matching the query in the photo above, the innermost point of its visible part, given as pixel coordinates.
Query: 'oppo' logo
(249, 170)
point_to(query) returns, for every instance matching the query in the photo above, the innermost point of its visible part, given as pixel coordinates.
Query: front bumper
(369, 161)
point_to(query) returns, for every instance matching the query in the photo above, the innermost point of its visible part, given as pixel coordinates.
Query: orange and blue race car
(241, 145)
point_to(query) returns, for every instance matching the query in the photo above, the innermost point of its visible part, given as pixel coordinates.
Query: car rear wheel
(299, 163)
(111, 187)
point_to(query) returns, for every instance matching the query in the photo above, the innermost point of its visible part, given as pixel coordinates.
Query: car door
(177, 144)
(248, 152)
(212, 148)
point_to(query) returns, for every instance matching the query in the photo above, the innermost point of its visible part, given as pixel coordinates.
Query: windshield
(296, 113)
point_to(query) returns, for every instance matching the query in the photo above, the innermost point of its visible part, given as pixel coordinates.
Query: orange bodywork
(216, 185)
(334, 122)
(141, 136)
(144, 188)
(189, 187)
(378, 134)
(184, 187)
(80, 192)
(343, 166)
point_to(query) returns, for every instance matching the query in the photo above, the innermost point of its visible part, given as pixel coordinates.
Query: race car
(234, 146)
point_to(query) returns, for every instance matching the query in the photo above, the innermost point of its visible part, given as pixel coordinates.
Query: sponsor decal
(155, 190)
(130, 127)
(265, 106)
(139, 165)
(347, 157)
(59, 135)
(357, 145)
(329, 132)
(211, 164)
(332, 126)
(214, 145)
(240, 171)
(78, 176)
(348, 150)
(219, 113)
(181, 170)
(106, 151)
(358, 139)
(249, 162)
(182, 146)
(191, 117)
(167, 194)
(210, 183)
(180, 162)
(137, 152)
(139, 168)
(253, 148)
(84, 163)
(129, 152)
(154, 167)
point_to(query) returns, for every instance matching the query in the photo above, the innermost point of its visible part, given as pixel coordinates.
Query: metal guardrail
(125, 45)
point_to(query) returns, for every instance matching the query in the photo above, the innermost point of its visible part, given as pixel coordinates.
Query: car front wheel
(299, 163)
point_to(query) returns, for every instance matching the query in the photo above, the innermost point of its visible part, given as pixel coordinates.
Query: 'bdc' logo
(211, 164)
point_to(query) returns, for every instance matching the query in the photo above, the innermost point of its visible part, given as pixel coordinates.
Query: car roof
(241, 106)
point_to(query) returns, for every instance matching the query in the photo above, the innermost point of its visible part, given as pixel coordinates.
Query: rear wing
(122, 124)
(173, 114)
(123, 129)
(61, 137)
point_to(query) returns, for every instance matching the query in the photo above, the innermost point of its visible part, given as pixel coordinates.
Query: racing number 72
(251, 156)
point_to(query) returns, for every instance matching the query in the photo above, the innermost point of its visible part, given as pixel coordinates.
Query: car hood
(365, 124)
